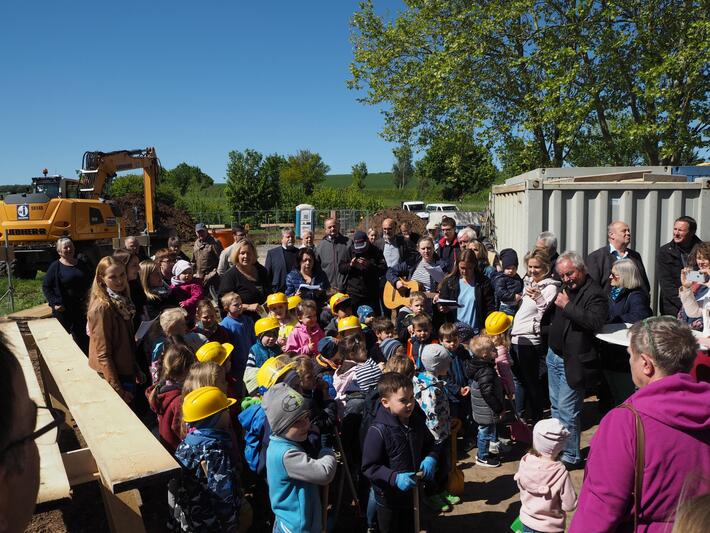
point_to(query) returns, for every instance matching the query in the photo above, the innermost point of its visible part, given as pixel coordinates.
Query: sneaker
(491, 462)
(436, 503)
(450, 498)
(498, 446)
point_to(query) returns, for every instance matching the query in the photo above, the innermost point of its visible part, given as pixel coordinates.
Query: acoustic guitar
(394, 298)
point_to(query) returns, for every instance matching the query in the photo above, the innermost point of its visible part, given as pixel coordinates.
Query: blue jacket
(279, 262)
(241, 331)
(630, 306)
(260, 353)
(207, 497)
(256, 436)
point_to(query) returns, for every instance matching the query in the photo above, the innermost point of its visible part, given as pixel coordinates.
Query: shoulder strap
(639, 465)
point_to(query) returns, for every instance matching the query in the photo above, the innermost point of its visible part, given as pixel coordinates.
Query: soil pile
(417, 224)
(169, 219)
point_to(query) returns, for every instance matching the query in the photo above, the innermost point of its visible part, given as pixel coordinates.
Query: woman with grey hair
(628, 303)
(65, 287)
(644, 450)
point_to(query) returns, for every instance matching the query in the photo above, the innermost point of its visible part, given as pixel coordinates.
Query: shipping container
(578, 207)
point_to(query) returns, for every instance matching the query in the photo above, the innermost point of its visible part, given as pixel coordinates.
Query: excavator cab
(55, 186)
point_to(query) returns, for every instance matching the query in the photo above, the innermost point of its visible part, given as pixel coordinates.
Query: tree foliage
(325, 198)
(184, 177)
(359, 172)
(631, 75)
(253, 180)
(402, 169)
(458, 165)
(304, 168)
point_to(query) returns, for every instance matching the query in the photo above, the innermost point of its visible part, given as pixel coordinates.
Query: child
(173, 323)
(165, 397)
(430, 395)
(507, 285)
(277, 304)
(207, 498)
(356, 375)
(385, 334)
(417, 307)
(186, 289)
(323, 411)
(397, 445)
(306, 335)
(208, 323)
(341, 306)
(498, 329)
(546, 489)
(486, 398)
(174, 247)
(347, 327)
(421, 336)
(158, 294)
(239, 326)
(293, 476)
(267, 332)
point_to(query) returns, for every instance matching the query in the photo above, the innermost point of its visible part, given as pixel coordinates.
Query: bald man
(600, 261)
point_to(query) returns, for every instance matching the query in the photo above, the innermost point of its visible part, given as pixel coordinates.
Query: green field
(28, 293)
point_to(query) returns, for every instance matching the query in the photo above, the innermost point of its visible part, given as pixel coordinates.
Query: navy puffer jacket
(486, 390)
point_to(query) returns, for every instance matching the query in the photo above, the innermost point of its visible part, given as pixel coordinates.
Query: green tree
(126, 184)
(402, 169)
(306, 169)
(634, 74)
(185, 176)
(253, 180)
(458, 165)
(359, 172)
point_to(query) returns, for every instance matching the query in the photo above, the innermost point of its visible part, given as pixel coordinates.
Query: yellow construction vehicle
(58, 207)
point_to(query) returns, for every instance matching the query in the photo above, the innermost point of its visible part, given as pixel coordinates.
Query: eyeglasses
(58, 419)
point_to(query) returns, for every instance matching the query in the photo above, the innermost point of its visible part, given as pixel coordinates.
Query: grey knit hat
(436, 358)
(284, 407)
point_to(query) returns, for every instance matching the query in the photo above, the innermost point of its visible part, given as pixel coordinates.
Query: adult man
(449, 248)
(132, 244)
(281, 260)
(330, 251)
(432, 230)
(225, 258)
(671, 259)
(600, 261)
(465, 237)
(548, 241)
(205, 257)
(580, 310)
(19, 457)
(394, 247)
(362, 266)
(405, 228)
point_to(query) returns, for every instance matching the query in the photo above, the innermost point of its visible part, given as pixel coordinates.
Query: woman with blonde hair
(247, 278)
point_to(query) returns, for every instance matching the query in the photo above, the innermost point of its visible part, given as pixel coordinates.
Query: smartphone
(695, 276)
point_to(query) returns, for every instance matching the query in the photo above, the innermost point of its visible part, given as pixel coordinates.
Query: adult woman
(307, 273)
(110, 320)
(247, 278)
(132, 263)
(427, 270)
(157, 295)
(472, 290)
(673, 411)
(65, 287)
(482, 256)
(628, 303)
(165, 260)
(694, 295)
(372, 235)
(528, 350)
(307, 240)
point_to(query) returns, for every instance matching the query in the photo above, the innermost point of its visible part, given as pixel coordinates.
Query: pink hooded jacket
(300, 337)
(546, 492)
(503, 368)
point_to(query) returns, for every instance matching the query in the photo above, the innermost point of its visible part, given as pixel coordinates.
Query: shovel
(455, 482)
(415, 494)
(324, 500)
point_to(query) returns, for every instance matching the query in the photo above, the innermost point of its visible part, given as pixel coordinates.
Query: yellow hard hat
(349, 322)
(293, 302)
(204, 402)
(337, 299)
(272, 369)
(276, 298)
(214, 351)
(498, 322)
(266, 324)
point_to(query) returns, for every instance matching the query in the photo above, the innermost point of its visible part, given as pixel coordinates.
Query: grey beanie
(388, 347)
(284, 407)
(436, 358)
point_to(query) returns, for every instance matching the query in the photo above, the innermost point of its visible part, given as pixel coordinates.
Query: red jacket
(167, 404)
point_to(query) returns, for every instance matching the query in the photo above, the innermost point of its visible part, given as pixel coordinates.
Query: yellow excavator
(57, 207)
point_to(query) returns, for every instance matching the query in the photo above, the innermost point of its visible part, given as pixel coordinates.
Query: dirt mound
(399, 215)
(168, 218)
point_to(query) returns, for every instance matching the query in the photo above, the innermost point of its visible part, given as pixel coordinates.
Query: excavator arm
(98, 169)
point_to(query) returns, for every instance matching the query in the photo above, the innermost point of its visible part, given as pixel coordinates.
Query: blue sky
(193, 79)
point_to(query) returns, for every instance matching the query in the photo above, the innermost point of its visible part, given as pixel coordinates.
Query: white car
(417, 208)
(441, 207)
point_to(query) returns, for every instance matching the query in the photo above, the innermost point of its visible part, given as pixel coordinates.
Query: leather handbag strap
(639, 465)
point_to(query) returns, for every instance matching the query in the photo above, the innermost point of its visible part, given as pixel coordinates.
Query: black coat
(631, 306)
(364, 282)
(486, 389)
(599, 264)
(485, 299)
(572, 331)
(669, 263)
(251, 292)
(279, 262)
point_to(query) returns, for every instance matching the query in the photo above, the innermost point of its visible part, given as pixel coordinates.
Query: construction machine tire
(18, 270)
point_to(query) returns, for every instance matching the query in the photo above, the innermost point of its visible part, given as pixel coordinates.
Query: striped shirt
(367, 374)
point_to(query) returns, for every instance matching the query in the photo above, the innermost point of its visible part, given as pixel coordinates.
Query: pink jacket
(504, 372)
(546, 492)
(300, 337)
(188, 294)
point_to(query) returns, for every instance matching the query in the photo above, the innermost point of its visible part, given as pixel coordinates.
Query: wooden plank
(612, 176)
(123, 510)
(126, 453)
(32, 313)
(80, 466)
(53, 482)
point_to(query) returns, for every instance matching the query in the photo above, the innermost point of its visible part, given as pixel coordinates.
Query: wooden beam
(53, 482)
(33, 313)
(126, 453)
(80, 466)
(123, 510)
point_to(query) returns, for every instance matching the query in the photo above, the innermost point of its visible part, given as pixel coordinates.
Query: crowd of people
(284, 380)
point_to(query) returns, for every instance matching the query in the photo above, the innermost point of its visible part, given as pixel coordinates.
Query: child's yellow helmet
(337, 299)
(214, 351)
(498, 322)
(276, 298)
(293, 302)
(204, 402)
(349, 322)
(272, 369)
(266, 324)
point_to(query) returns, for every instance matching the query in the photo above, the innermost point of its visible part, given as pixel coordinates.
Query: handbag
(639, 465)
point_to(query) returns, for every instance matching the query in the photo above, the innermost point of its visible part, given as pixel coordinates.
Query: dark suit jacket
(279, 262)
(669, 263)
(599, 264)
(407, 249)
(572, 330)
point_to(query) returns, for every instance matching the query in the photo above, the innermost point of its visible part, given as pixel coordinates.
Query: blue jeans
(526, 529)
(566, 406)
(486, 434)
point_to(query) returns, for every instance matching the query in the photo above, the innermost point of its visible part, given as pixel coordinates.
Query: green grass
(28, 293)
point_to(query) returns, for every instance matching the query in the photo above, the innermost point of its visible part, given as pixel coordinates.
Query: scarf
(615, 292)
(122, 304)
